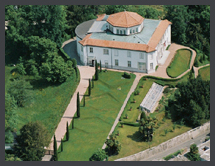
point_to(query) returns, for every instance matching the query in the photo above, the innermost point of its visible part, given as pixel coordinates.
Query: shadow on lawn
(137, 136)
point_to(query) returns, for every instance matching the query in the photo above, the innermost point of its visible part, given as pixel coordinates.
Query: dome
(125, 19)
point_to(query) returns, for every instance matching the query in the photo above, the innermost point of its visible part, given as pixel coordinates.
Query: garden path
(196, 69)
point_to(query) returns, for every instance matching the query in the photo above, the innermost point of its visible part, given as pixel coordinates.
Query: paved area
(86, 73)
(161, 71)
(186, 145)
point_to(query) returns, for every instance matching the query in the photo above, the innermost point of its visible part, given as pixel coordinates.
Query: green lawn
(49, 102)
(180, 63)
(130, 138)
(97, 117)
(205, 73)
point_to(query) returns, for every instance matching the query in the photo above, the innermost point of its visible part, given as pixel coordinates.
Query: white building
(124, 40)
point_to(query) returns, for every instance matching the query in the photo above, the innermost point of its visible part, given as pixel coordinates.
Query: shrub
(136, 92)
(126, 75)
(166, 90)
(99, 155)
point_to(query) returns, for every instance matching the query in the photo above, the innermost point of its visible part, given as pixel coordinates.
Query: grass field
(205, 73)
(49, 102)
(97, 117)
(130, 138)
(180, 63)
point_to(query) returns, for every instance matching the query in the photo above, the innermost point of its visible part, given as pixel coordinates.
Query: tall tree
(73, 126)
(61, 145)
(55, 150)
(96, 71)
(31, 141)
(100, 66)
(89, 88)
(78, 105)
(67, 131)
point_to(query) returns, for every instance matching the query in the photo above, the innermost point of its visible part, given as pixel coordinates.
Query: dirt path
(196, 69)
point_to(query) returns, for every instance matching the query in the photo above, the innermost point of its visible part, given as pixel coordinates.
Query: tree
(113, 144)
(194, 155)
(11, 157)
(61, 145)
(92, 83)
(100, 66)
(89, 88)
(143, 115)
(57, 71)
(31, 141)
(67, 132)
(96, 71)
(73, 123)
(20, 90)
(99, 155)
(55, 150)
(78, 105)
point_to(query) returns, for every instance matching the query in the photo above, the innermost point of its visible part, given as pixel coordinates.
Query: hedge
(63, 54)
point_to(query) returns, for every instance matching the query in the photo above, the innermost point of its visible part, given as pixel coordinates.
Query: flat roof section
(149, 26)
(152, 97)
(82, 29)
(98, 26)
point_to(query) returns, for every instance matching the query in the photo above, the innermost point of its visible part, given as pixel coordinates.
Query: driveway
(70, 47)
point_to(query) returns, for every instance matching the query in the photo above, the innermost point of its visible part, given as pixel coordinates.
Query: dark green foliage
(11, 157)
(10, 113)
(9, 138)
(92, 83)
(89, 88)
(172, 155)
(96, 71)
(100, 66)
(74, 63)
(113, 144)
(19, 89)
(192, 102)
(78, 105)
(126, 75)
(143, 116)
(194, 155)
(31, 141)
(147, 128)
(136, 92)
(73, 126)
(99, 155)
(21, 69)
(61, 145)
(55, 150)
(67, 131)
(190, 25)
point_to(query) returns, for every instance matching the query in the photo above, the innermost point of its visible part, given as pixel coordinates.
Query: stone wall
(168, 144)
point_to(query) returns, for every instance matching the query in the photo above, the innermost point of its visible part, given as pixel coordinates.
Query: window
(133, 31)
(116, 62)
(151, 66)
(124, 31)
(91, 49)
(136, 29)
(106, 52)
(121, 32)
(117, 31)
(141, 55)
(129, 54)
(141, 66)
(116, 52)
(130, 30)
(129, 63)
(151, 56)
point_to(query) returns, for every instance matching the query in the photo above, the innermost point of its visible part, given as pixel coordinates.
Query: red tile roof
(153, 42)
(125, 19)
(100, 17)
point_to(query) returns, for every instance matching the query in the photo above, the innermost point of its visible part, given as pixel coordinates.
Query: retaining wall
(168, 144)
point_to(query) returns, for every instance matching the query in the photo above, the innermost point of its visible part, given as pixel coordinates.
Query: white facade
(131, 60)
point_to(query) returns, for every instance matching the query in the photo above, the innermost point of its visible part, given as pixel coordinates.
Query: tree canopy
(31, 141)
(191, 102)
